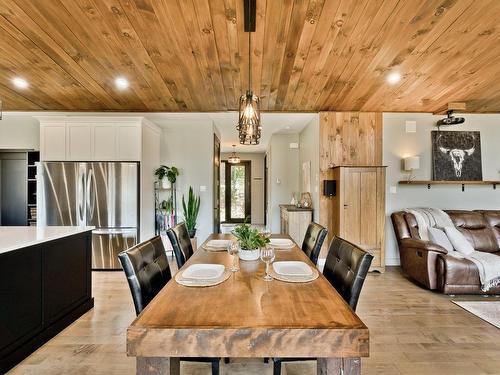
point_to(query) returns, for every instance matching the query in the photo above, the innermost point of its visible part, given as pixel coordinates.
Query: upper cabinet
(91, 138)
(53, 141)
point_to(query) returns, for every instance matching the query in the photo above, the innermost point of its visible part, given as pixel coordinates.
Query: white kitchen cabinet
(129, 142)
(90, 138)
(79, 141)
(53, 141)
(104, 140)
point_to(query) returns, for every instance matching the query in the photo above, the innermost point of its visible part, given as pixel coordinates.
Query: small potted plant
(191, 210)
(250, 241)
(170, 173)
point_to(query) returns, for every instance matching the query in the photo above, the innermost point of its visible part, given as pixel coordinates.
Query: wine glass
(267, 256)
(266, 232)
(233, 249)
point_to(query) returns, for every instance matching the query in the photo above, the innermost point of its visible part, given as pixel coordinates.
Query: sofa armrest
(422, 245)
(418, 260)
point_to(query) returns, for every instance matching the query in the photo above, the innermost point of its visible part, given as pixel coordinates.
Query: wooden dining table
(246, 316)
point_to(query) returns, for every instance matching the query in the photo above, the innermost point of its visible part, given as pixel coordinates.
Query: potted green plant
(170, 173)
(191, 210)
(250, 241)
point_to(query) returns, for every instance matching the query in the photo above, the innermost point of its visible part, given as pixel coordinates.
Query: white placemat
(202, 283)
(294, 279)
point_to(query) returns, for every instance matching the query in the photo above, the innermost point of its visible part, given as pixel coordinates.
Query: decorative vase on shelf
(165, 183)
(249, 255)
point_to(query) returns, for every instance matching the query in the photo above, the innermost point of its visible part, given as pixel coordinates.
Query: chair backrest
(181, 243)
(147, 270)
(346, 268)
(313, 240)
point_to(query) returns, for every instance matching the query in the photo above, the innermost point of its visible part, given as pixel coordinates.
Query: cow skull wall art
(456, 155)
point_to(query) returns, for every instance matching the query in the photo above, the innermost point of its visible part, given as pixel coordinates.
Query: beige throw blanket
(429, 217)
(489, 268)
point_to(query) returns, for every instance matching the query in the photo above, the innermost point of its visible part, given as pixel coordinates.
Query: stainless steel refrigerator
(102, 194)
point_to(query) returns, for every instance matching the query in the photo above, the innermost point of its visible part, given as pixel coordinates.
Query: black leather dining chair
(345, 268)
(313, 241)
(147, 270)
(181, 243)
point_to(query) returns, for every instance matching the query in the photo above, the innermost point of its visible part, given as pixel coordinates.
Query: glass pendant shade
(249, 127)
(233, 159)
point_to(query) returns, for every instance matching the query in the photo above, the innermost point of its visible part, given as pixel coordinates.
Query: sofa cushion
(467, 219)
(459, 241)
(476, 229)
(493, 219)
(438, 236)
(412, 225)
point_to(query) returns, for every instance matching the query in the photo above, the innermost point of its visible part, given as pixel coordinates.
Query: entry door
(235, 192)
(216, 198)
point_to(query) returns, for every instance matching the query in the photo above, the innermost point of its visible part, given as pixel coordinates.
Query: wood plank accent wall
(346, 139)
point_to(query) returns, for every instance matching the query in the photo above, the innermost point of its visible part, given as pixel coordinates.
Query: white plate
(292, 268)
(283, 243)
(218, 244)
(203, 271)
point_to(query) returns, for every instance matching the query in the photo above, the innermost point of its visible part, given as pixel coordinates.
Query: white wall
(309, 151)
(256, 185)
(188, 145)
(283, 175)
(398, 144)
(150, 160)
(19, 131)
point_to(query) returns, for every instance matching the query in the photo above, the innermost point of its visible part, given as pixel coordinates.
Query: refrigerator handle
(81, 197)
(90, 193)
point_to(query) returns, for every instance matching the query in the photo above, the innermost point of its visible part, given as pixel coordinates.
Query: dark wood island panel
(43, 289)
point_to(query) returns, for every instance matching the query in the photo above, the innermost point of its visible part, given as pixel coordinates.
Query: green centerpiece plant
(191, 210)
(249, 241)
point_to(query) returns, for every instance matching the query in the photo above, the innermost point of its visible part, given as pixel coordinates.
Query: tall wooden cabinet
(359, 209)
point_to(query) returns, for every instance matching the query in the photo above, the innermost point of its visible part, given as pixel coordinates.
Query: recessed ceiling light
(287, 127)
(393, 78)
(121, 83)
(20, 82)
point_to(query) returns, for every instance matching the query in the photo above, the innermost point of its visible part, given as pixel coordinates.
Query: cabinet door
(66, 283)
(53, 142)
(352, 209)
(104, 139)
(20, 296)
(129, 142)
(79, 142)
(369, 238)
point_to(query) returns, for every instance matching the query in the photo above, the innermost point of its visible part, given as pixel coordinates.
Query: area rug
(486, 310)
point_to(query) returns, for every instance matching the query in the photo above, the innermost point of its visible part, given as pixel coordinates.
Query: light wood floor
(412, 331)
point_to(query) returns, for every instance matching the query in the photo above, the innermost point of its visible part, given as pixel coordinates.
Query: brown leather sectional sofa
(429, 264)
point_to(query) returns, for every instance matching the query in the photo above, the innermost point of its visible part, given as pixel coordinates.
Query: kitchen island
(45, 285)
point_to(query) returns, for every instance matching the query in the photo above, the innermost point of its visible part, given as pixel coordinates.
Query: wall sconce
(411, 164)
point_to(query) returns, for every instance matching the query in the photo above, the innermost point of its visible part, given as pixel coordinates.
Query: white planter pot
(165, 184)
(249, 254)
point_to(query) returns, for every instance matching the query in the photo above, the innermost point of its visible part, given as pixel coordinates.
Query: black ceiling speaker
(250, 15)
(450, 120)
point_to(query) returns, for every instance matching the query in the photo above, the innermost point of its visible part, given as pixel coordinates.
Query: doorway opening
(235, 202)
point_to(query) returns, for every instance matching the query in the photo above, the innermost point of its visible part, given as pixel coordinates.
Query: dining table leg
(158, 365)
(339, 366)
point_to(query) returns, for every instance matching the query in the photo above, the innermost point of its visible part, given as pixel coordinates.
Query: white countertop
(13, 238)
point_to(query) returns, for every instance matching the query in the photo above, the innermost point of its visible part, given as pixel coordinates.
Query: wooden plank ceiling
(308, 55)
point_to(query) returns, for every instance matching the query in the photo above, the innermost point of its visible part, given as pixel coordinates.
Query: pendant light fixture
(249, 126)
(233, 159)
